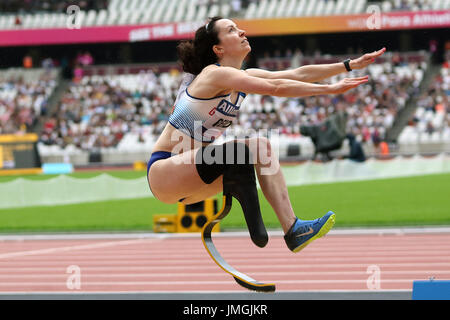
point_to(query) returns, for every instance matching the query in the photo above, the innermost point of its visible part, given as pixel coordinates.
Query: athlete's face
(232, 39)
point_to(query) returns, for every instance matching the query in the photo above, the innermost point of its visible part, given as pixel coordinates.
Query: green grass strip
(412, 201)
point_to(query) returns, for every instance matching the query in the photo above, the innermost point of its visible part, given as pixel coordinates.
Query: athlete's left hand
(366, 59)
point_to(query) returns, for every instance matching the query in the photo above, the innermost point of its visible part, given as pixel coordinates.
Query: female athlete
(207, 104)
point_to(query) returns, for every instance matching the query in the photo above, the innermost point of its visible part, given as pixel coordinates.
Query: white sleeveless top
(204, 119)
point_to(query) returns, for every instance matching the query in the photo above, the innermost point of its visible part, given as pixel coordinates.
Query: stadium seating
(289, 8)
(127, 12)
(99, 110)
(414, 5)
(431, 121)
(126, 112)
(369, 115)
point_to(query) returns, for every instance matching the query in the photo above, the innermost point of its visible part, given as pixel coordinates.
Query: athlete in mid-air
(208, 102)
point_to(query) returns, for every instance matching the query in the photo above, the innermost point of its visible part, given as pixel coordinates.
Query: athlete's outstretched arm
(317, 72)
(224, 78)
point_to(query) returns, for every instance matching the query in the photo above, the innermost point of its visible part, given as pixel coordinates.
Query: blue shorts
(158, 155)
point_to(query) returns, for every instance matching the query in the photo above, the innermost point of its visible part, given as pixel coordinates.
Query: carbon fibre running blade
(241, 278)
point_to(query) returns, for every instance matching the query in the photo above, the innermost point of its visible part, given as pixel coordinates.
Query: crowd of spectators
(22, 102)
(433, 109)
(97, 111)
(371, 108)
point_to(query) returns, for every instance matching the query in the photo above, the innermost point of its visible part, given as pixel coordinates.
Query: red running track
(168, 264)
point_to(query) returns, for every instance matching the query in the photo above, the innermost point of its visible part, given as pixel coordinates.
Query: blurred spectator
(48, 63)
(18, 21)
(433, 48)
(384, 148)
(356, 150)
(77, 73)
(296, 60)
(27, 62)
(430, 128)
(84, 59)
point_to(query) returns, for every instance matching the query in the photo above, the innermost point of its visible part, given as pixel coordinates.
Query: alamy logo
(373, 282)
(73, 17)
(74, 280)
(374, 20)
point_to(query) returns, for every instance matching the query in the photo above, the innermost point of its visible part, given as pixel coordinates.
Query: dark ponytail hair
(196, 54)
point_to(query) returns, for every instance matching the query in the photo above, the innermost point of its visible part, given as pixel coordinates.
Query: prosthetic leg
(240, 277)
(239, 182)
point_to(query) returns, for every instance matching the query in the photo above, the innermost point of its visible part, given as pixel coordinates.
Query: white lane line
(225, 234)
(197, 282)
(353, 274)
(201, 260)
(157, 292)
(109, 268)
(317, 252)
(72, 248)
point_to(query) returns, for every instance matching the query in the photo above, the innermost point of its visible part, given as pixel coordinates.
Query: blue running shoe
(303, 233)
